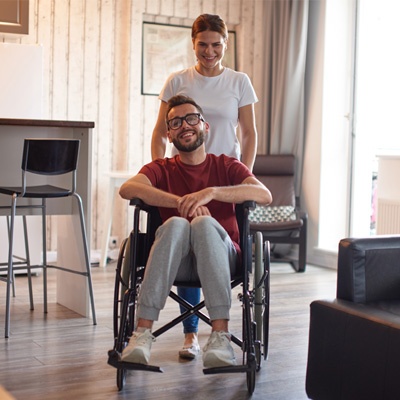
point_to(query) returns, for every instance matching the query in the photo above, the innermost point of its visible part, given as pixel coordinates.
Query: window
(377, 111)
(336, 124)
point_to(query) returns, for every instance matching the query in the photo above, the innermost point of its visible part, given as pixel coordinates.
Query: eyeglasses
(191, 119)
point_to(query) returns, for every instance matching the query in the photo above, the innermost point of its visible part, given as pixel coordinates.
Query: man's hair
(209, 22)
(178, 100)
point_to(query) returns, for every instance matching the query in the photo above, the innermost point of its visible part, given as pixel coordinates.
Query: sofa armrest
(369, 269)
(354, 352)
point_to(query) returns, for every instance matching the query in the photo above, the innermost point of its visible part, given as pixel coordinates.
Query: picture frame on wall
(168, 48)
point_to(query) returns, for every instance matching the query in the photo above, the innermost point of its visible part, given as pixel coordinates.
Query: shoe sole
(136, 358)
(187, 355)
(212, 361)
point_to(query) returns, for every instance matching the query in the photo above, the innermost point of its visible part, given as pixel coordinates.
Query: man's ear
(206, 127)
(169, 136)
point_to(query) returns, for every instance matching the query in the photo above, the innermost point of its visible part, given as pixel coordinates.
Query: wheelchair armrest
(153, 216)
(249, 204)
(140, 203)
(242, 212)
(136, 202)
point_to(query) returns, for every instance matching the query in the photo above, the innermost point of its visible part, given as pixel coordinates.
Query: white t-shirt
(220, 97)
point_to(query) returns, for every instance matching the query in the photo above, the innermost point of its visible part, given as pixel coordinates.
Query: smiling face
(209, 47)
(186, 138)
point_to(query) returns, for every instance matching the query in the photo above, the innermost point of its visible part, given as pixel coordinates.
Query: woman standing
(227, 98)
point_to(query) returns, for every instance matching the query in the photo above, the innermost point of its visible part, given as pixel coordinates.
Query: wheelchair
(254, 297)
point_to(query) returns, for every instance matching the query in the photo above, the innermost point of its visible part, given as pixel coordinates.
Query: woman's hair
(178, 100)
(209, 22)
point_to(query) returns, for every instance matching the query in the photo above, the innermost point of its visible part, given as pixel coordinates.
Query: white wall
(21, 97)
(20, 81)
(21, 86)
(92, 72)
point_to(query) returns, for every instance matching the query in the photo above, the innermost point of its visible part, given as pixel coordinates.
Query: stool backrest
(50, 156)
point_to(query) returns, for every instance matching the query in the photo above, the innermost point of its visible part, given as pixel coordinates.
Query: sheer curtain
(282, 106)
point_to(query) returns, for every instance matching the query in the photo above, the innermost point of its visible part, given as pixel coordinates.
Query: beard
(192, 146)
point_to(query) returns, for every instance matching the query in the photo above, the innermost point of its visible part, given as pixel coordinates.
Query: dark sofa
(354, 340)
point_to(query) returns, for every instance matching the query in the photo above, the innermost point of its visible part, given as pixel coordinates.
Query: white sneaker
(218, 351)
(138, 349)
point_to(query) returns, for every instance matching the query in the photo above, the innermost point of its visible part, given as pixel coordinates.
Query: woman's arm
(248, 130)
(159, 138)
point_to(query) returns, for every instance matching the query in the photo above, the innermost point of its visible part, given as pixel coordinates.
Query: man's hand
(192, 205)
(202, 210)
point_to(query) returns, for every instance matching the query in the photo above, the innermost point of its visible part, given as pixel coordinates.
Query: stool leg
(9, 238)
(28, 261)
(44, 256)
(10, 271)
(87, 259)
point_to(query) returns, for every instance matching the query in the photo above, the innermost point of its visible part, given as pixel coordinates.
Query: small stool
(117, 178)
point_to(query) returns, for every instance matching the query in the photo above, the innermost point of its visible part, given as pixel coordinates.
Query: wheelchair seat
(255, 311)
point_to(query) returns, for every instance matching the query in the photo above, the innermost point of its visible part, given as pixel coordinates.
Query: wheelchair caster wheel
(121, 378)
(251, 381)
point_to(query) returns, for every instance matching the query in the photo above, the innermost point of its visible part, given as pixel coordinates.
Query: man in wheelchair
(196, 195)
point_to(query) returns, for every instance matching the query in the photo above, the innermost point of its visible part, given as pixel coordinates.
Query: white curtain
(286, 23)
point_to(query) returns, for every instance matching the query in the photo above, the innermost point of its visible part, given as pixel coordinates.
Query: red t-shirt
(173, 176)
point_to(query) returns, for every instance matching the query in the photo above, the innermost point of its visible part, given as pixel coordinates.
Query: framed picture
(168, 48)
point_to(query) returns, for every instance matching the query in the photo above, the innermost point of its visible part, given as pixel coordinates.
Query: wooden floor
(63, 356)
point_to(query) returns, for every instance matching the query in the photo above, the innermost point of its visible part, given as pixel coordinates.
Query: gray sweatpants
(189, 251)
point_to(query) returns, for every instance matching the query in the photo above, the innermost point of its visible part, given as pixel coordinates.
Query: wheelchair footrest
(114, 360)
(227, 369)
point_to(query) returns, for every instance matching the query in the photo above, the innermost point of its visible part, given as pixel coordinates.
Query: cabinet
(14, 16)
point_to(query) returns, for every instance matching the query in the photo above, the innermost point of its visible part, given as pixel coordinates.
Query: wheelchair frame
(255, 301)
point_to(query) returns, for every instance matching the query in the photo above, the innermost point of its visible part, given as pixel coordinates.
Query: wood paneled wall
(92, 72)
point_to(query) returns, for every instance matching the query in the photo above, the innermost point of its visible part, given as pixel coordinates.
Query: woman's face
(209, 47)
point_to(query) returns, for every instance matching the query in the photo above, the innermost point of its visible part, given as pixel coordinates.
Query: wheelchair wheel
(125, 302)
(119, 287)
(261, 295)
(267, 283)
(128, 292)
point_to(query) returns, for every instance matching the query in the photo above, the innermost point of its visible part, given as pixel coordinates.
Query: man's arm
(250, 189)
(159, 139)
(141, 187)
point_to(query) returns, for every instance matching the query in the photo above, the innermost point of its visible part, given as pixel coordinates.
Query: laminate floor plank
(61, 355)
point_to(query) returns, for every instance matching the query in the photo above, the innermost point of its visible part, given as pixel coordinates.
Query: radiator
(388, 217)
